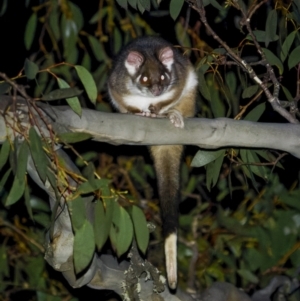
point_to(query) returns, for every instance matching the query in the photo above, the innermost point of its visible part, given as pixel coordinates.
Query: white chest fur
(142, 101)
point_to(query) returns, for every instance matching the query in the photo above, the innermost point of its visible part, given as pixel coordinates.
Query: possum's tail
(167, 160)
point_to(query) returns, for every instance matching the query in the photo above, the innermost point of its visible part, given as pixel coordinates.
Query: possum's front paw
(176, 118)
(146, 114)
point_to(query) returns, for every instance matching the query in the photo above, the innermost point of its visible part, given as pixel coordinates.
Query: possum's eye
(144, 79)
(162, 77)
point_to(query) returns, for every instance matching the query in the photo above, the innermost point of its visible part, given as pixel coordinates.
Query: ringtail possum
(152, 78)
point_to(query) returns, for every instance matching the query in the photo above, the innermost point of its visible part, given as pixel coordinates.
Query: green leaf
(260, 36)
(109, 207)
(4, 87)
(62, 94)
(74, 137)
(54, 23)
(273, 59)
(4, 179)
(140, 228)
(145, 4)
(77, 212)
(250, 91)
(287, 93)
(215, 4)
(231, 82)
(38, 154)
(286, 46)
(123, 230)
(73, 102)
(16, 191)
(22, 161)
(77, 16)
(294, 57)
(31, 69)
(140, 7)
(88, 187)
(117, 40)
(255, 114)
(175, 8)
(100, 236)
(132, 3)
(250, 157)
(271, 27)
(247, 275)
(88, 83)
(84, 246)
(4, 153)
(122, 3)
(3, 8)
(268, 156)
(204, 157)
(30, 31)
(41, 296)
(97, 48)
(213, 171)
(4, 267)
(103, 222)
(69, 32)
(204, 90)
(27, 202)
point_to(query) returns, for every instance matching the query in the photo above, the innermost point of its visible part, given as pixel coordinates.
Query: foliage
(242, 215)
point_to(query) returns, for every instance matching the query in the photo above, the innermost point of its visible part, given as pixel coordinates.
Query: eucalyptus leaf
(30, 31)
(175, 8)
(133, 3)
(260, 36)
(54, 23)
(88, 187)
(250, 91)
(123, 230)
(84, 246)
(4, 266)
(204, 90)
(31, 69)
(256, 113)
(122, 3)
(39, 157)
(73, 102)
(271, 27)
(62, 93)
(294, 57)
(146, 4)
(3, 7)
(22, 161)
(204, 157)
(88, 82)
(213, 171)
(16, 191)
(273, 60)
(286, 46)
(4, 179)
(73, 137)
(97, 49)
(4, 153)
(77, 212)
(99, 220)
(140, 228)
(287, 93)
(4, 87)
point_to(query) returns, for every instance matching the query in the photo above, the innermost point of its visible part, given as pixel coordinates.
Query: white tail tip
(171, 259)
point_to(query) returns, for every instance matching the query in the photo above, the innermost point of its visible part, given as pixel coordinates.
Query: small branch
(32, 241)
(273, 99)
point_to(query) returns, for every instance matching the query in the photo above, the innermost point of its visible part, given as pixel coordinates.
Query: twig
(32, 241)
(197, 5)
